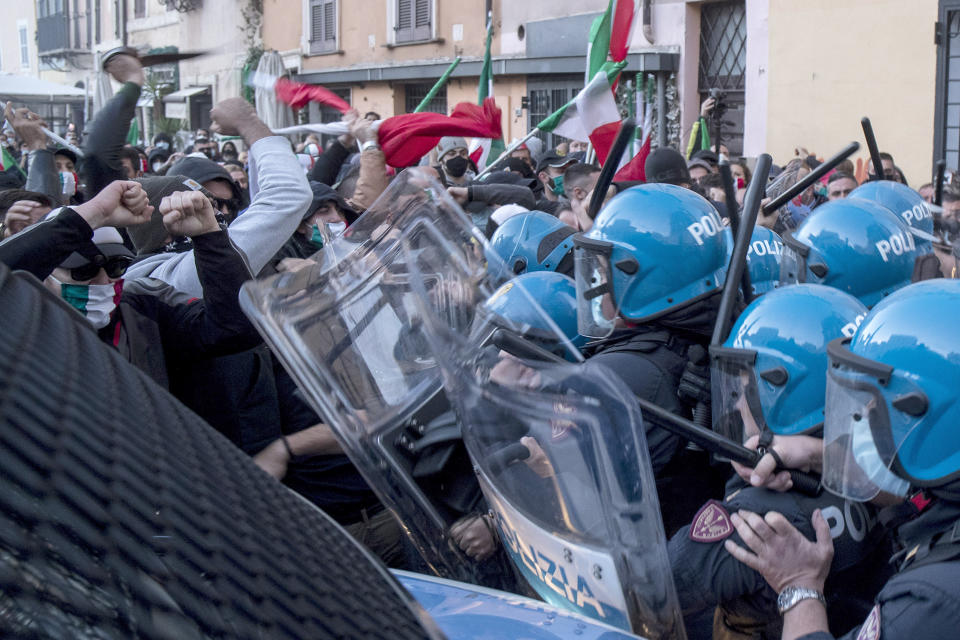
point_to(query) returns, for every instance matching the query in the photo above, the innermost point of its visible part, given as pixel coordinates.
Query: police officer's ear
(543, 176)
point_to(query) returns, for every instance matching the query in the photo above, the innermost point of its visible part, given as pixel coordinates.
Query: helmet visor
(858, 450)
(793, 261)
(597, 309)
(735, 399)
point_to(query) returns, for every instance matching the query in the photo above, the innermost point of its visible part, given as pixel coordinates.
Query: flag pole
(439, 85)
(507, 152)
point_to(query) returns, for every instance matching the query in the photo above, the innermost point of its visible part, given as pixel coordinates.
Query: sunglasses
(114, 267)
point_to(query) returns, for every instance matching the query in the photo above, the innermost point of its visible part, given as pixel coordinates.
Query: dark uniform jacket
(154, 325)
(923, 599)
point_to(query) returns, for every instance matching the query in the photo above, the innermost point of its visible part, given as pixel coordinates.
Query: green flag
(486, 71)
(133, 133)
(599, 44)
(10, 161)
(484, 150)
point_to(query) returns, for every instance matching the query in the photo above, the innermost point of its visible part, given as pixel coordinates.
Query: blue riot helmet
(772, 371)
(534, 241)
(654, 249)
(905, 203)
(853, 245)
(557, 296)
(763, 258)
(892, 407)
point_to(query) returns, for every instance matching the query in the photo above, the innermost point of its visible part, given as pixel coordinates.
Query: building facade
(795, 74)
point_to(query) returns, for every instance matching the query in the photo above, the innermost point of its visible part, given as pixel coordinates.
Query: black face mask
(456, 166)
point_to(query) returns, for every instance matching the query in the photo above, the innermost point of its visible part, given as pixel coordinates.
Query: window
(96, 20)
(139, 8)
(723, 57)
(413, 20)
(323, 26)
(547, 94)
(415, 93)
(24, 45)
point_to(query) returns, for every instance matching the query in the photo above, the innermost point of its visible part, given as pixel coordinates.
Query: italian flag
(610, 35)
(592, 115)
(481, 149)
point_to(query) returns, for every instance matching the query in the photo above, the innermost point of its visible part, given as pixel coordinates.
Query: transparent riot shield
(561, 454)
(345, 329)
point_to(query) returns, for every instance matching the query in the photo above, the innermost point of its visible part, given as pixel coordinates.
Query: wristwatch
(369, 144)
(790, 596)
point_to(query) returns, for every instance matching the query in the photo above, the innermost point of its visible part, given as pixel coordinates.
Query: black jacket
(154, 326)
(108, 133)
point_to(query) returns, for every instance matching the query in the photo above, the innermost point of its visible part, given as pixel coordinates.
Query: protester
(139, 318)
(454, 161)
(840, 185)
(550, 171)
(275, 210)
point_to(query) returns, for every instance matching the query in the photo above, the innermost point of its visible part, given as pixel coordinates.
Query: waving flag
(610, 36)
(407, 138)
(482, 148)
(297, 94)
(591, 115)
(634, 170)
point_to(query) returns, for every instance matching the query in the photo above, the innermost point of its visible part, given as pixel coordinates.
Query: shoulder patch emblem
(871, 626)
(711, 524)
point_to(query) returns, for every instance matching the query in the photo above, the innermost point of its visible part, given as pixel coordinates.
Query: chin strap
(893, 516)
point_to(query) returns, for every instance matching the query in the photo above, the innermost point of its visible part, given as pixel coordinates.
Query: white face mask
(95, 301)
(68, 183)
(869, 460)
(336, 228)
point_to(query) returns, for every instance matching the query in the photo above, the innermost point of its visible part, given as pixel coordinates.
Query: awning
(21, 88)
(183, 94)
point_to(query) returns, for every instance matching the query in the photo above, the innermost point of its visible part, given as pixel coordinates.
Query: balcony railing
(61, 33)
(53, 33)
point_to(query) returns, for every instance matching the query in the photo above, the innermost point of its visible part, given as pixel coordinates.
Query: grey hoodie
(280, 197)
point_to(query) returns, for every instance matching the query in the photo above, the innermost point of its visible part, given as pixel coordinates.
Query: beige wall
(835, 61)
(365, 28)
(282, 24)
(13, 13)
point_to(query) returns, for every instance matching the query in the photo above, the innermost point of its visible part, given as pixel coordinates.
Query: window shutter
(330, 24)
(323, 26)
(421, 20)
(404, 26)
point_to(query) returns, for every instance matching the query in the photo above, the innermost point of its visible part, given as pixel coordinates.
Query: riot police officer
(649, 273)
(854, 245)
(534, 241)
(769, 379)
(890, 429)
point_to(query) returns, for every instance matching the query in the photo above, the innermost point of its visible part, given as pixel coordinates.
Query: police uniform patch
(871, 626)
(711, 524)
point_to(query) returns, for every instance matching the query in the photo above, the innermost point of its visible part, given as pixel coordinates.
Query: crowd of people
(152, 245)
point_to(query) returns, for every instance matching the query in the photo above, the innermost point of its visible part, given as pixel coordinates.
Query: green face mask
(317, 237)
(557, 185)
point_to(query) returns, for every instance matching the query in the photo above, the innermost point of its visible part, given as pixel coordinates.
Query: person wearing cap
(667, 165)
(80, 256)
(215, 179)
(279, 197)
(454, 161)
(328, 216)
(157, 159)
(550, 171)
(698, 168)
